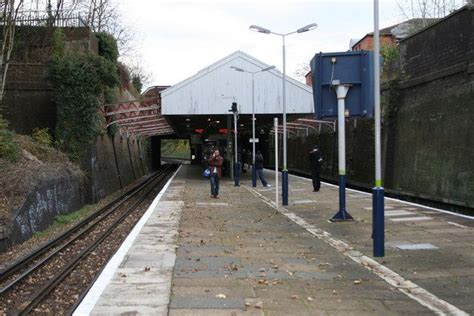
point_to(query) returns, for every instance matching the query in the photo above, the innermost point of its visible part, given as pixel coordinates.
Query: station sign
(353, 68)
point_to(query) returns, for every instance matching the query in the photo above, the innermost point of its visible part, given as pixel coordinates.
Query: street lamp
(254, 175)
(284, 173)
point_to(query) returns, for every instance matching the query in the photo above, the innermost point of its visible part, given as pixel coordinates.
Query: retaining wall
(427, 122)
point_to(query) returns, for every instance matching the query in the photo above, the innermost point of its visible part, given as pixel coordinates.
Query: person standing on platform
(259, 168)
(244, 160)
(215, 166)
(316, 160)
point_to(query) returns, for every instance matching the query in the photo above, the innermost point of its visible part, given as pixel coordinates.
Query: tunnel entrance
(155, 147)
(175, 150)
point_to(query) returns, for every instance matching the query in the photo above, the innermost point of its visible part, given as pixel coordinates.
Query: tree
(428, 9)
(10, 9)
(105, 16)
(301, 71)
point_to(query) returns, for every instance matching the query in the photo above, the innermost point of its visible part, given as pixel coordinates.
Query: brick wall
(444, 44)
(367, 43)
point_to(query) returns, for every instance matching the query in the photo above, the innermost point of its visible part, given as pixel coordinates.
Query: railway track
(29, 284)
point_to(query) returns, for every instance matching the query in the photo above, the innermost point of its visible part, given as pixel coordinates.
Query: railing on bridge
(42, 18)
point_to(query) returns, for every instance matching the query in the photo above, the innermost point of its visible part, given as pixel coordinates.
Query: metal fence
(35, 18)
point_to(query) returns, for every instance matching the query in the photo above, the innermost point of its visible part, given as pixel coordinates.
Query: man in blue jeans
(215, 166)
(259, 168)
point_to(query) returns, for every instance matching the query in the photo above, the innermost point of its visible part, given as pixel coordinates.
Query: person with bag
(316, 160)
(215, 166)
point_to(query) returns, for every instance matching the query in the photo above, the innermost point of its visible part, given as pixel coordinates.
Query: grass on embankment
(64, 221)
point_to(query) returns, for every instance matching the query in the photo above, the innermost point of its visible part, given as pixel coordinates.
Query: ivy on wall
(81, 82)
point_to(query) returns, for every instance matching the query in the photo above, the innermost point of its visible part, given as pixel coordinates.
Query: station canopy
(208, 95)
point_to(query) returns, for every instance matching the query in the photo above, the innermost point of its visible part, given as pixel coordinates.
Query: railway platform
(242, 255)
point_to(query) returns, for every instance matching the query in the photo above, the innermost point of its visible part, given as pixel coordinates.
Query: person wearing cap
(316, 161)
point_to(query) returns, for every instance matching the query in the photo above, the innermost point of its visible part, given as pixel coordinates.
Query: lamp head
(259, 29)
(307, 28)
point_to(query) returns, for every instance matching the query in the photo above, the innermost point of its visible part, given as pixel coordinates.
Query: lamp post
(378, 226)
(254, 175)
(284, 172)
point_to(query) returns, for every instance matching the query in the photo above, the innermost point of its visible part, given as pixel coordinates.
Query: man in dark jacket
(316, 160)
(259, 168)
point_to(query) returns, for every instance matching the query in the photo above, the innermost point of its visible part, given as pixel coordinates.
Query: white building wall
(211, 90)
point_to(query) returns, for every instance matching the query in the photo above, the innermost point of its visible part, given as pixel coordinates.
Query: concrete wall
(58, 191)
(113, 163)
(63, 190)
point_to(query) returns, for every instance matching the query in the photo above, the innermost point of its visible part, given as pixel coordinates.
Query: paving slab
(240, 255)
(250, 253)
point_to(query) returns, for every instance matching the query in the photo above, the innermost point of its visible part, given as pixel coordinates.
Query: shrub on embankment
(80, 82)
(9, 149)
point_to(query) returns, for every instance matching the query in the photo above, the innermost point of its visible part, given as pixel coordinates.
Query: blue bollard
(254, 176)
(284, 187)
(378, 221)
(237, 174)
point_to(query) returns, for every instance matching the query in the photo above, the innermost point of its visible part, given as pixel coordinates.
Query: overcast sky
(178, 38)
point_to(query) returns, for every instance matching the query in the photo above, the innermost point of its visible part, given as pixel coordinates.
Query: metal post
(378, 191)
(229, 146)
(341, 91)
(254, 172)
(284, 172)
(236, 158)
(275, 124)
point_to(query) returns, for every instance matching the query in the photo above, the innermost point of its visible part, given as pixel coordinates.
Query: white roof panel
(212, 89)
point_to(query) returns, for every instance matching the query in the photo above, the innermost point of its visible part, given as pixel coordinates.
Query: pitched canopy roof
(214, 88)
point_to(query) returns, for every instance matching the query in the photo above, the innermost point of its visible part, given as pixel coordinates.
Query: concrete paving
(241, 255)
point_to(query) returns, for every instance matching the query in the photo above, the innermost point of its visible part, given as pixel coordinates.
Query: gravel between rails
(65, 295)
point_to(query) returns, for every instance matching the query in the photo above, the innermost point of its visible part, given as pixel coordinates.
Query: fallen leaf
(147, 269)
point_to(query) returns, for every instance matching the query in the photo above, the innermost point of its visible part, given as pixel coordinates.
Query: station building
(198, 108)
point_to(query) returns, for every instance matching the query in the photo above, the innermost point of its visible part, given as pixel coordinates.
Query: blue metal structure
(354, 68)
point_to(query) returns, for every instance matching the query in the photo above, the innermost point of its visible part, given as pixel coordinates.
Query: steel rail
(26, 260)
(49, 286)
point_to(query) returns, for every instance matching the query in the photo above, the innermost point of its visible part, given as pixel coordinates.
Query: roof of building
(209, 90)
(401, 30)
(159, 88)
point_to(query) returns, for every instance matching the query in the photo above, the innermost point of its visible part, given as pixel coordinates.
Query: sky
(177, 38)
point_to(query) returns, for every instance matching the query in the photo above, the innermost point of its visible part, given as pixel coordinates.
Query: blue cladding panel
(354, 68)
